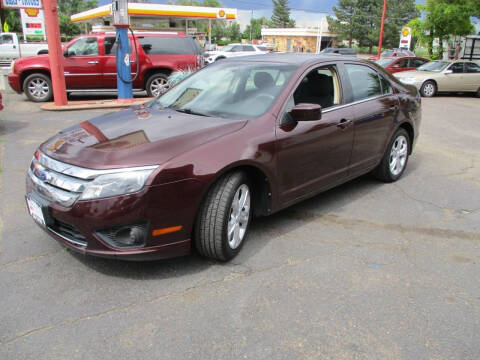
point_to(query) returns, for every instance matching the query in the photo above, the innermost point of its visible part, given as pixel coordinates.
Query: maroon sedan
(241, 138)
(404, 63)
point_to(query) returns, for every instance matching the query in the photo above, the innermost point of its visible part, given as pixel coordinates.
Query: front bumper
(161, 206)
(14, 82)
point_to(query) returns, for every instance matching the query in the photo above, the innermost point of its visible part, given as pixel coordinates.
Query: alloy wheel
(38, 88)
(398, 155)
(157, 85)
(239, 216)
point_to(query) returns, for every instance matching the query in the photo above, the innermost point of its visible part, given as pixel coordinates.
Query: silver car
(443, 75)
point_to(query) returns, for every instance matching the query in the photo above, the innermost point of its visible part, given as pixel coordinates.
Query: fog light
(125, 236)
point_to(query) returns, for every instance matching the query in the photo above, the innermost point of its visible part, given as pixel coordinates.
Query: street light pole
(380, 38)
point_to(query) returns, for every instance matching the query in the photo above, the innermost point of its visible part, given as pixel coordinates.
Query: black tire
(383, 171)
(153, 83)
(38, 87)
(211, 227)
(428, 89)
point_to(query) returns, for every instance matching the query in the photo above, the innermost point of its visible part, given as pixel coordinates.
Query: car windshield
(385, 62)
(228, 47)
(229, 90)
(435, 66)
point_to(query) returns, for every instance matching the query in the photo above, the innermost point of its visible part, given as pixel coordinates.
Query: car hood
(415, 74)
(139, 136)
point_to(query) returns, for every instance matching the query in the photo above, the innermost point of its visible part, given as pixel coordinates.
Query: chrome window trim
(84, 173)
(355, 102)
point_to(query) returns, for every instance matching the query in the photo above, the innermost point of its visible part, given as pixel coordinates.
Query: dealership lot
(364, 271)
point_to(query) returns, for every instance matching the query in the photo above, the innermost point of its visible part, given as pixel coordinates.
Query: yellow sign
(6, 28)
(32, 12)
(405, 32)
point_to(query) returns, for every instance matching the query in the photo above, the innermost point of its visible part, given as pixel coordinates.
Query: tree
(256, 27)
(361, 20)
(233, 31)
(441, 19)
(69, 7)
(344, 23)
(12, 18)
(281, 14)
(399, 13)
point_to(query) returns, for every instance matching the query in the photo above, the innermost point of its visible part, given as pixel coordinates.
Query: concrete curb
(94, 104)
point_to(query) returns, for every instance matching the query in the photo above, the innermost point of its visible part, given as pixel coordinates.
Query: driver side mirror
(446, 72)
(65, 53)
(306, 112)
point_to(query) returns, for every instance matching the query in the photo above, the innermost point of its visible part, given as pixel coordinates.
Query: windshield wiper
(191, 112)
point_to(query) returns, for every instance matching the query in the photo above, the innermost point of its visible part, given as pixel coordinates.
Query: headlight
(407, 80)
(115, 184)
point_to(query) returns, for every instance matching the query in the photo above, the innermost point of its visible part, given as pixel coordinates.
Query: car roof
(295, 58)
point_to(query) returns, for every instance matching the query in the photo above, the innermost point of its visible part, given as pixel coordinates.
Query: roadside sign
(405, 38)
(19, 4)
(33, 22)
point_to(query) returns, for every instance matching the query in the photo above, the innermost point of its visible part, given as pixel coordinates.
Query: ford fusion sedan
(443, 75)
(236, 140)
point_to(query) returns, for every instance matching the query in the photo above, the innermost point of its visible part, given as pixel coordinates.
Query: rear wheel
(224, 218)
(395, 159)
(156, 83)
(38, 87)
(428, 89)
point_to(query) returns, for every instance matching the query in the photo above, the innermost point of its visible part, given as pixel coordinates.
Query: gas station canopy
(159, 10)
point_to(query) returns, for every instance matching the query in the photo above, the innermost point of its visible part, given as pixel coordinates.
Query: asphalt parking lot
(365, 271)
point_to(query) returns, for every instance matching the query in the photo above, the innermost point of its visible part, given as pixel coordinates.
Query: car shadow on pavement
(263, 231)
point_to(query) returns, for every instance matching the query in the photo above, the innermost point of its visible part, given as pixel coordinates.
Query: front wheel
(224, 218)
(38, 87)
(428, 89)
(395, 159)
(156, 84)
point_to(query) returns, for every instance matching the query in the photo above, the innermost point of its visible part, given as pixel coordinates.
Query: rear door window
(365, 82)
(248, 48)
(472, 68)
(156, 45)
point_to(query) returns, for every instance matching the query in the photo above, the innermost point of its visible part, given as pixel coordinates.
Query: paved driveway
(365, 271)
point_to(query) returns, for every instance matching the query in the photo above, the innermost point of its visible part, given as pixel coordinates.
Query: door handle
(93, 62)
(344, 123)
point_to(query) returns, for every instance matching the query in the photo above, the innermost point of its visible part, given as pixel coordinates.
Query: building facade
(309, 40)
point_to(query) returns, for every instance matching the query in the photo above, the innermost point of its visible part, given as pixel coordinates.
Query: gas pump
(121, 23)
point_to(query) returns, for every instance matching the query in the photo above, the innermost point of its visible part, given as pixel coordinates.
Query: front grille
(68, 232)
(51, 181)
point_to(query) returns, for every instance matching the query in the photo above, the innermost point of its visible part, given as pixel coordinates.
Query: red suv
(404, 63)
(89, 63)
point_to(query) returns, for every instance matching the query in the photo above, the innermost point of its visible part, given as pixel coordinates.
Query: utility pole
(380, 38)
(55, 55)
(251, 25)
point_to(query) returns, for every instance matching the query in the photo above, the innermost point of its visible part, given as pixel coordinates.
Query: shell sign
(405, 38)
(221, 14)
(32, 12)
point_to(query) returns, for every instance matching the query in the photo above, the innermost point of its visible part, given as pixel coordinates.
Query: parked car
(89, 63)
(234, 50)
(443, 75)
(11, 48)
(241, 138)
(341, 51)
(404, 63)
(1, 103)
